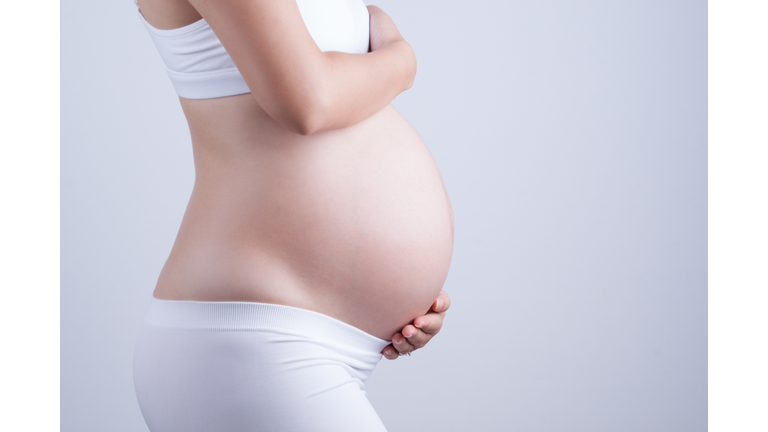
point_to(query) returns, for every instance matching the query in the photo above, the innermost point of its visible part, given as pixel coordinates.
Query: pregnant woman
(318, 231)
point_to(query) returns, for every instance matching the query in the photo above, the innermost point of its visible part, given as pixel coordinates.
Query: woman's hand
(382, 28)
(416, 335)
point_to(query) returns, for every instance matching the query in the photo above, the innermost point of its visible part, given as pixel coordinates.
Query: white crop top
(200, 68)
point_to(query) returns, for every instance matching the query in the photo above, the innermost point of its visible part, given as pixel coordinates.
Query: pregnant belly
(353, 223)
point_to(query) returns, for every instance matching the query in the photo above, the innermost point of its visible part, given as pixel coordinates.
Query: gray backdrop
(572, 137)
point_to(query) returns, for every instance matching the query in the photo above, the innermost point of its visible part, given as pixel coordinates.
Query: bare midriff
(353, 223)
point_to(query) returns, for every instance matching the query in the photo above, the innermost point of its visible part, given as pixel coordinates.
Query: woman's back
(353, 222)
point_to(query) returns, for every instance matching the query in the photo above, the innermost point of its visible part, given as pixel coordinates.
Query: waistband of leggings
(250, 316)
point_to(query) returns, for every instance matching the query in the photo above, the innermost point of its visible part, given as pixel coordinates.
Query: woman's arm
(299, 86)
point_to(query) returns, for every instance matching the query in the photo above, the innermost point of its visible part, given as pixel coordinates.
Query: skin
(366, 236)
(422, 330)
(302, 88)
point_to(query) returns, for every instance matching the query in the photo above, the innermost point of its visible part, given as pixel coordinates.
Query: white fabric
(239, 366)
(200, 68)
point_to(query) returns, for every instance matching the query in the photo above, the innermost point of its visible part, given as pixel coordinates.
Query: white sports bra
(200, 67)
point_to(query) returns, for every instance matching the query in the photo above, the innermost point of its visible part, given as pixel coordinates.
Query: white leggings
(239, 366)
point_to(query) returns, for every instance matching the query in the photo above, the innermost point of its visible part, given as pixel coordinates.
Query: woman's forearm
(356, 86)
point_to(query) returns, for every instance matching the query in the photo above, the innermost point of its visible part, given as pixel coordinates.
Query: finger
(416, 337)
(442, 302)
(430, 323)
(402, 344)
(390, 353)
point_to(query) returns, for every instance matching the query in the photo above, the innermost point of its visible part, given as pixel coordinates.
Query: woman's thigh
(248, 381)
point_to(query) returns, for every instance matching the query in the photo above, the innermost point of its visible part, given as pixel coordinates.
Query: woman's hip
(241, 366)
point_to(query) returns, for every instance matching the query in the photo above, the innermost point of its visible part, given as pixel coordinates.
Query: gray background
(572, 139)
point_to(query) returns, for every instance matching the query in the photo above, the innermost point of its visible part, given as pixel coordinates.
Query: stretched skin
(313, 191)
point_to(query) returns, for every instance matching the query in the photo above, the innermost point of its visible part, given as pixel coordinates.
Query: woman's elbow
(309, 122)
(304, 115)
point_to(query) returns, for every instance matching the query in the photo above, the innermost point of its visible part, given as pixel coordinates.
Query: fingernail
(418, 325)
(398, 342)
(388, 351)
(439, 304)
